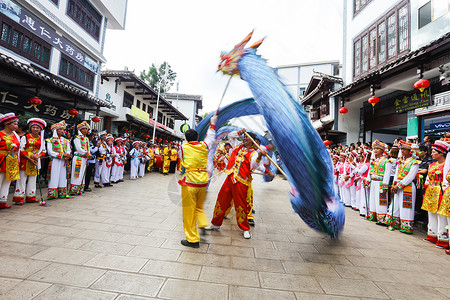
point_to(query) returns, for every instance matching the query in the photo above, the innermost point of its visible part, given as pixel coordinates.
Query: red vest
(239, 164)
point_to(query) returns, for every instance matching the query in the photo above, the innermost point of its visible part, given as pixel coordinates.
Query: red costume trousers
(230, 191)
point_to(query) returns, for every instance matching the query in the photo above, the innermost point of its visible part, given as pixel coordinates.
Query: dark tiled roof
(52, 80)
(398, 62)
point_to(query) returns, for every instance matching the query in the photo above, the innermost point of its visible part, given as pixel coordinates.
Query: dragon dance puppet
(306, 161)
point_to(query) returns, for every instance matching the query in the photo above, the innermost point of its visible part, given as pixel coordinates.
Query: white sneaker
(247, 234)
(212, 227)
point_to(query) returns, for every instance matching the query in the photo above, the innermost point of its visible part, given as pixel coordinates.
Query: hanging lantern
(160, 139)
(165, 142)
(421, 84)
(73, 112)
(373, 100)
(96, 119)
(343, 111)
(327, 143)
(35, 101)
(147, 136)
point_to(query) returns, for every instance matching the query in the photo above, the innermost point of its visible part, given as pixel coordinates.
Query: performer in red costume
(243, 160)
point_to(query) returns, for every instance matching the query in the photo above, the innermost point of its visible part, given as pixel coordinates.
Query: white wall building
(62, 39)
(386, 45)
(189, 105)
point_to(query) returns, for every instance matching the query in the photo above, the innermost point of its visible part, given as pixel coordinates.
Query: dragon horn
(245, 40)
(257, 44)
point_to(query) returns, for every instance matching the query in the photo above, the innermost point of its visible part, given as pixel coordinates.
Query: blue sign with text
(440, 126)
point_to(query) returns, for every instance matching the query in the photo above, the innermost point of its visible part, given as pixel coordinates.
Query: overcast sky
(190, 36)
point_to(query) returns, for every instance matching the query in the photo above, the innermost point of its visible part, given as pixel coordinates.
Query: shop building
(189, 105)
(53, 50)
(388, 47)
(133, 108)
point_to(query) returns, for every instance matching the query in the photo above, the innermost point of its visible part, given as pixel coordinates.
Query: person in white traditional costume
(79, 161)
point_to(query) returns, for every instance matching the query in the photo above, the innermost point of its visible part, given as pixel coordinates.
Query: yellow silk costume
(166, 163)
(444, 209)
(433, 193)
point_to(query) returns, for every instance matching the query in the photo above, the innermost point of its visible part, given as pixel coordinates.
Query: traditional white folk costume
(341, 171)
(379, 175)
(9, 158)
(99, 160)
(143, 160)
(29, 147)
(362, 192)
(107, 151)
(119, 161)
(134, 162)
(401, 210)
(57, 147)
(79, 161)
(444, 209)
(351, 185)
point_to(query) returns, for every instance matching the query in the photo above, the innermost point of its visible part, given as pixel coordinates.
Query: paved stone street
(124, 243)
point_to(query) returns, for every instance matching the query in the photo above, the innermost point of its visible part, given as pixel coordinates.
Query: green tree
(155, 75)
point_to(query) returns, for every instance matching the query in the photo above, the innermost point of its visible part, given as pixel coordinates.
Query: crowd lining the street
(396, 185)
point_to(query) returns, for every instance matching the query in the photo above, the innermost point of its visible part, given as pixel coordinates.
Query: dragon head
(229, 61)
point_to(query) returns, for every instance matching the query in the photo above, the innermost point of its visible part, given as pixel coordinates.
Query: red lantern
(373, 100)
(95, 119)
(147, 136)
(165, 142)
(35, 101)
(343, 111)
(422, 84)
(160, 139)
(327, 143)
(73, 112)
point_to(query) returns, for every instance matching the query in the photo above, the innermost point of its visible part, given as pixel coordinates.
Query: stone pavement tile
(62, 242)
(107, 247)
(141, 285)
(376, 253)
(64, 255)
(270, 237)
(351, 287)
(205, 259)
(129, 297)
(308, 268)
(363, 273)
(295, 247)
(231, 250)
(122, 221)
(21, 236)
(325, 258)
(289, 282)
(20, 249)
(418, 278)
(62, 230)
(68, 275)
(182, 289)
(63, 292)
(171, 269)
(278, 254)
(240, 292)
(250, 243)
(21, 226)
(409, 291)
(444, 291)
(141, 240)
(58, 221)
(160, 226)
(132, 230)
(309, 239)
(174, 235)
(8, 283)
(116, 262)
(25, 290)
(215, 239)
(229, 276)
(94, 226)
(257, 264)
(100, 235)
(18, 267)
(20, 216)
(308, 296)
(331, 249)
(155, 253)
(176, 245)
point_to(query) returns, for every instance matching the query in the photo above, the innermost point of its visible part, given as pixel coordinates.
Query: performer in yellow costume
(444, 209)
(173, 159)
(151, 154)
(194, 158)
(166, 163)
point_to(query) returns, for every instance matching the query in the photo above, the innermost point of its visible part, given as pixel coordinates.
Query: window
(128, 100)
(431, 11)
(138, 104)
(19, 40)
(83, 13)
(144, 107)
(150, 110)
(70, 69)
(359, 5)
(383, 41)
(159, 118)
(55, 1)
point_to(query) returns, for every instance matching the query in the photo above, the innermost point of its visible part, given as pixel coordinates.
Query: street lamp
(164, 78)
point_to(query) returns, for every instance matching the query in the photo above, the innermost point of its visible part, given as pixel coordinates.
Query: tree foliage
(155, 76)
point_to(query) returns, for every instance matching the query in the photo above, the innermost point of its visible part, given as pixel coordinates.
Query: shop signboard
(45, 32)
(139, 114)
(412, 101)
(440, 126)
(441, 102)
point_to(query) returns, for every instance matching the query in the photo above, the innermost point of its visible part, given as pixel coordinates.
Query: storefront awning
(162, 131)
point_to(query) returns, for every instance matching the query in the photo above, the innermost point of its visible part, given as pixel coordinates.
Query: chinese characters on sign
(412, 101)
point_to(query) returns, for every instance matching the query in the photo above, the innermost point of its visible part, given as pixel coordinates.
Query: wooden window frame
(375, 25)
(85, 19)
(128, 100)
(25, 33)
(361, 7)
(75, 73)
